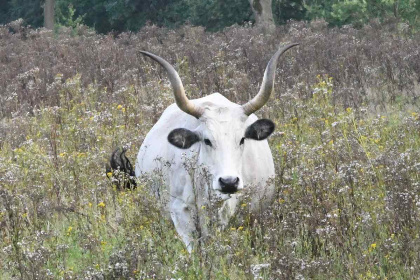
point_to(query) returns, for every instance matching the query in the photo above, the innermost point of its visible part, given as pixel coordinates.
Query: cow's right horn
(180, 98)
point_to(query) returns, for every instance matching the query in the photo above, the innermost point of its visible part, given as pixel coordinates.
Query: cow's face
(223, 132)
(222, 135)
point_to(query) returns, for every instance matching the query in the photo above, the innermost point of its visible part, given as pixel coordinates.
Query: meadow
(346, 150)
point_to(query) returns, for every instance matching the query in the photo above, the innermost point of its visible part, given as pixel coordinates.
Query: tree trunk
(263, 14)
(49, 14)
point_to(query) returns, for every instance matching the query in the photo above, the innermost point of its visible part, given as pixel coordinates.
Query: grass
(347, 204)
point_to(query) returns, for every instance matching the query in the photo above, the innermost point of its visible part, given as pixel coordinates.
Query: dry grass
(347, 153)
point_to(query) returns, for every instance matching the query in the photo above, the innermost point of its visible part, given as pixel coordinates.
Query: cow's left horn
(267, 85)
(180, 98)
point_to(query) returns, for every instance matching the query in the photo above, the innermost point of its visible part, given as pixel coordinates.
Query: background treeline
(131, 15)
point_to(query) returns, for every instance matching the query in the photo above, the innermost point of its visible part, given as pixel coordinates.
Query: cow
(223, 142)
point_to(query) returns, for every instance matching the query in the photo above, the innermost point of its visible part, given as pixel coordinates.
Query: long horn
(267, 85)
(180, 98)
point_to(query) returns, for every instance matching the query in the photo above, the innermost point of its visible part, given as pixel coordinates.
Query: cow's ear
(259, 130)
(182, 138)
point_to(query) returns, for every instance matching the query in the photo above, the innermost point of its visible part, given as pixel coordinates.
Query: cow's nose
(229, 184)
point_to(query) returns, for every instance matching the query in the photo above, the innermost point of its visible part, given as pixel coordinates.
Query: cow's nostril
(229, 184)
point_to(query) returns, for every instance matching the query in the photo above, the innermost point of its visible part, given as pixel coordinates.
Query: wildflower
(101, 204)
(240, 228)
(109, 174)
(69, 230)
(119, 107)
(232, 228)
(373, 246)
(203, 207)
(349, 110)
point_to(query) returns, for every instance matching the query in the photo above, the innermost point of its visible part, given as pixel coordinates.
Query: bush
(346, 152)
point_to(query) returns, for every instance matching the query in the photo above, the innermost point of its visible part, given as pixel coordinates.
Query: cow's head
(223, 132)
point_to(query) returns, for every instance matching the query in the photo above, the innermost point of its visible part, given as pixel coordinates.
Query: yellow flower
(101, 204)
(119, 107)
(203, 207)
(69, 230)
(348, 110)
(232, 228)
(373, 245)
(123, 110)
(109, 174)
(240, 228)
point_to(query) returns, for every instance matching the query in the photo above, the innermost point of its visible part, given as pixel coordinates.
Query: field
(346, 150)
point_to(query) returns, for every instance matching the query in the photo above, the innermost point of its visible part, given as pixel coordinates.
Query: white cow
(224, 141)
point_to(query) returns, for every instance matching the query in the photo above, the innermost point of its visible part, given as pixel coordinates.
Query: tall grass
(346, 150)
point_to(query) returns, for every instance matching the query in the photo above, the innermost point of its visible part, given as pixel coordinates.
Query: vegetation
(124, 15)
(346, 149)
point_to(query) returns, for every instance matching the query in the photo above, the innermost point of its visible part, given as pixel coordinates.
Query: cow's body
(204, 149)
(156, 152)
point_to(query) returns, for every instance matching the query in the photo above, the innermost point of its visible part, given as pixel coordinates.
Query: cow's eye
(207, 142)
(242, 141)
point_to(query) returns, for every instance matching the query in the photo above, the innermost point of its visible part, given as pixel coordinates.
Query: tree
(263, 13)
(49, 14)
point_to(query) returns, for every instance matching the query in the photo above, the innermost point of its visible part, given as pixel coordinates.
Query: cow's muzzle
(229, 184)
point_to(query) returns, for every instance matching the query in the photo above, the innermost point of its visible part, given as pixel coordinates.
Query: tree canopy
(131, 15)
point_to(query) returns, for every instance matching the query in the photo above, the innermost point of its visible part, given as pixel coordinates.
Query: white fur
(224, 124)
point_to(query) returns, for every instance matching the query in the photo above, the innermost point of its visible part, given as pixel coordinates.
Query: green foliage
(359, 12)
(131, 15)
(216, 14)
(65, 15)
(30, 10)
(285, 10)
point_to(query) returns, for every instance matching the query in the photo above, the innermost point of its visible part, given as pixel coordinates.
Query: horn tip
(146, 53)
(290, 46)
